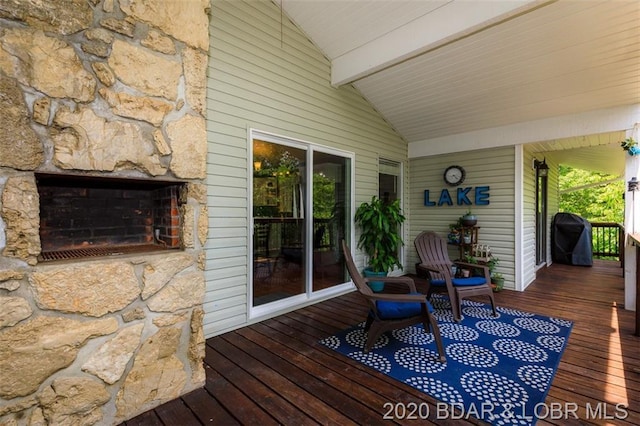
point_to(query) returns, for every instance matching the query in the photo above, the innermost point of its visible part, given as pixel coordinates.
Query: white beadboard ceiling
(435, 68)
(598, 152)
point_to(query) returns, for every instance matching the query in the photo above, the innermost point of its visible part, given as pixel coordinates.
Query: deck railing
(608, 241)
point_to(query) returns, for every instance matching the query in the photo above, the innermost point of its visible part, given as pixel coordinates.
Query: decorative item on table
(454, 233)
(466, 238)
(468, 219)
(467, 271)
(482, 252)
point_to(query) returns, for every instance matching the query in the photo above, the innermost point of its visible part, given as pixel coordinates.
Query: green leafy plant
(380, 238)
(630, 145)
(468, 258)
(492, 263)
(497, 281)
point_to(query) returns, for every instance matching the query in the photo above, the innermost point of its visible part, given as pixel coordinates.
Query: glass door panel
(279, 223)
(331, 198)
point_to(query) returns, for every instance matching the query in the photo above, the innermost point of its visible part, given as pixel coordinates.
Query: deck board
(207, 408)
(276, 372)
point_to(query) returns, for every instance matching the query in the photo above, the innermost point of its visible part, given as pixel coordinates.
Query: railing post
(621, 246)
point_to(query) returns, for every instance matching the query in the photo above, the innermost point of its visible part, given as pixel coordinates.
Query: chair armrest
(443, 269)
(406, 298)
(429, 268)
(399, 280)
(485, 269)
(472, 265)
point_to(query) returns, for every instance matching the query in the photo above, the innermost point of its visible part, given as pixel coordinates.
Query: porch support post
(632, 229)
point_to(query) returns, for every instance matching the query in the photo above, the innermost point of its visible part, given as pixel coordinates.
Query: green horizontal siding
(266, 75)
(492, 167)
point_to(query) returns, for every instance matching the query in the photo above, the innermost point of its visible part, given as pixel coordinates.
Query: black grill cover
(571, 240)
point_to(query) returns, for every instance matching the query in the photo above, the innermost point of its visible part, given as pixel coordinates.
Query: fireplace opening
(95, 216)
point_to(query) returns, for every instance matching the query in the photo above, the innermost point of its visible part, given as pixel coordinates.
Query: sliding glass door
(279, 193)
(300, 215)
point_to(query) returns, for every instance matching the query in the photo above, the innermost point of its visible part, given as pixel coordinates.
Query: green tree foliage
(597, 203)
(324, 196)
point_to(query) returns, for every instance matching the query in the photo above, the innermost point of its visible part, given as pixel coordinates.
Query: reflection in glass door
(296, 241)
(331, 195)
(278, 221)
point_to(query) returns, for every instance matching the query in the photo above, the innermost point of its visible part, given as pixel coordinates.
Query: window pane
(388, 180)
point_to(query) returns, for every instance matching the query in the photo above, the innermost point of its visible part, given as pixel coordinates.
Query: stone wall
(112, 88)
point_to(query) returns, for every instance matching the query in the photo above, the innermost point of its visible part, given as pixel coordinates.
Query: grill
(78, 253)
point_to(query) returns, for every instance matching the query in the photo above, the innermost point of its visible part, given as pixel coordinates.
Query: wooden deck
(275, 372)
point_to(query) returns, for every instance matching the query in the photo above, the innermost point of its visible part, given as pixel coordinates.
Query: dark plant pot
(497, 284)
(376, 286)
(469, 220)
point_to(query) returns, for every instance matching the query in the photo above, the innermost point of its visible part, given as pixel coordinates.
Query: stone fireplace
(103, 213)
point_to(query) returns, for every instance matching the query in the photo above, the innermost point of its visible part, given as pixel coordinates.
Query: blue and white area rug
(498, 369)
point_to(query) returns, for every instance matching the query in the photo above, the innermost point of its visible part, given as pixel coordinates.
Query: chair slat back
(432, 250)
(357, 279)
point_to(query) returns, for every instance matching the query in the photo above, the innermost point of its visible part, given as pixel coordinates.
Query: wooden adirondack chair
(392, 311)
(434, 258)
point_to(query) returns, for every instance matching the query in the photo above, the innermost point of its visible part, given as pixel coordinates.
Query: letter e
(482, 196)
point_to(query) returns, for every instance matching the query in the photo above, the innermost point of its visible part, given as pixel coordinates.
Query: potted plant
(380, 239)
(631, 146)
(469, 259)
(497, 281)
(454, 233)
(492, 263)
(468, 219)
